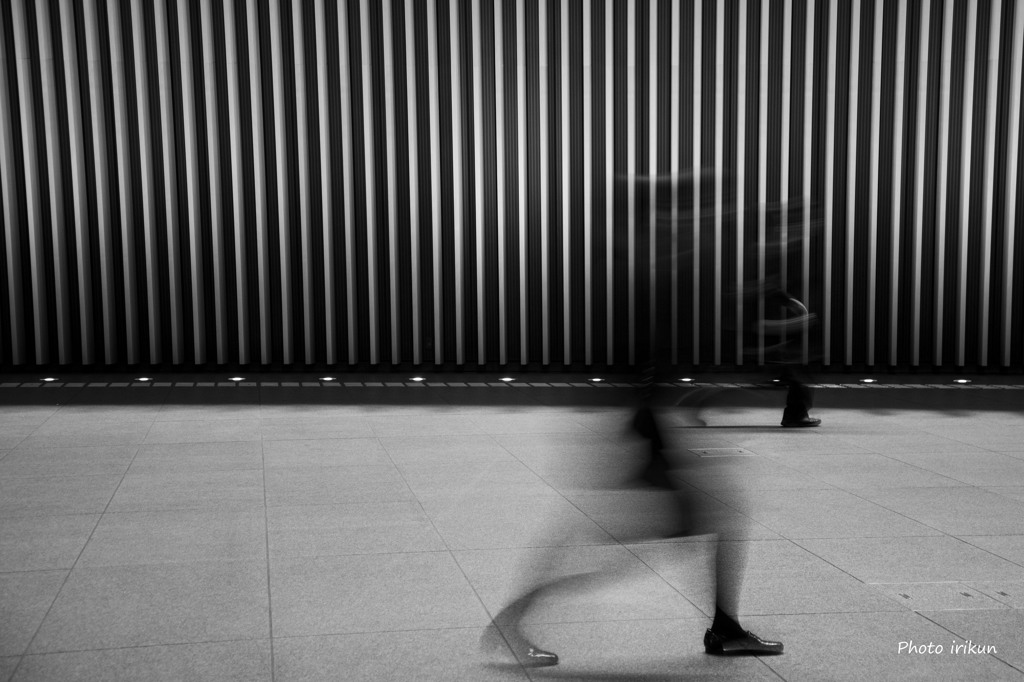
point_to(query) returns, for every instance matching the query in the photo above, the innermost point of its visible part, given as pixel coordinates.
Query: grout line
(995, 656)
(451, 554)
(142, 646)
(99, 520)
(266, 530)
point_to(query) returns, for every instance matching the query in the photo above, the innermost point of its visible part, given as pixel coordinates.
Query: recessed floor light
(961, 381)
(869, 381)
(597, 379)
(327, 378)
(417, 379)
(687, 380)
(50, 379)
(507, 379)
(143, 379)
(236, 379)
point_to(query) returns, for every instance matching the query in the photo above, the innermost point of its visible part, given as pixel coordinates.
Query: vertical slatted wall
(466, 182)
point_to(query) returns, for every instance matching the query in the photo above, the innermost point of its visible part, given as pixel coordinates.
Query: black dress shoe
(806, 421)
(538, 658)
(747, 643)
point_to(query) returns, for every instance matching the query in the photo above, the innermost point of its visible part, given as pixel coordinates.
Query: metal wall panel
(487, 183)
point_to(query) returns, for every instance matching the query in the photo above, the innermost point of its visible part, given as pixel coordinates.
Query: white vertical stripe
(830, 161)
(674, 169)
(101, 178)
(719, 123)
(1013, 152)
(698, 104)
(216, 182)
(458, 178)
(348, 170)
(652, 168)
(609, 161)
(76, 140)
(9, 166)
(478, 177)
(805, 242)
(521, 143)
(326, 184)
(79, 188)
(237, 181)
(499, 109)
(631, 171)
(741, 175)
(542, 33)
(24, 57)
(51, 134)
(876, 116)
(414, 190)
(260, 177)
(785, 191)
(851, 175)
(898, 226)
(302, 138)
(171, 225)
(148, 183)
(943, 177)
(565, 191)
(762, 166)
(435, 177)
(369, 178)
(991, 108)
(391, 191)
(967, 138)
(280, 134)
(191, 179)
(588, 181)
(919, 177)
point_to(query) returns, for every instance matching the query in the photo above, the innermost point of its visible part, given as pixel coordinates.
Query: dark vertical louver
(520, 183)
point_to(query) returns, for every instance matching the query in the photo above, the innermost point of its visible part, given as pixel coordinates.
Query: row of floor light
(508, 379)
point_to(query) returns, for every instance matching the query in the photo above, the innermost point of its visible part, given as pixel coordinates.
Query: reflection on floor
(308, 530)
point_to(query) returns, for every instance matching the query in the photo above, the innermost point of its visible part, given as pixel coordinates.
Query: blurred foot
(746, 643)
(538, 658)
(804, 422)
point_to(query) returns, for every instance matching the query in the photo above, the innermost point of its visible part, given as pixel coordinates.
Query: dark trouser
(799, 397)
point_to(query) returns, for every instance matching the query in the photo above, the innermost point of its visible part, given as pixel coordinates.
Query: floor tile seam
(78, 557)
(987, 551)
(340, 504)
(833, 565)
(230, 506)
(76, 476)
(266, 549)
(185, 563)
(895, 457)
(360, 633)
(961, 441)
(889, 456)
(955, 634)
(907, 516)
(516, 548)
(539, 476)
(52, 415)
(665, 581)
(763, 660)
(328, 557)
(444, 541)
(33, 570)
(601, 621)
(155, 645)
(476, 592)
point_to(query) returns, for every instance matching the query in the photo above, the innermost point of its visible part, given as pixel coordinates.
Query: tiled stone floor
(302, 531)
